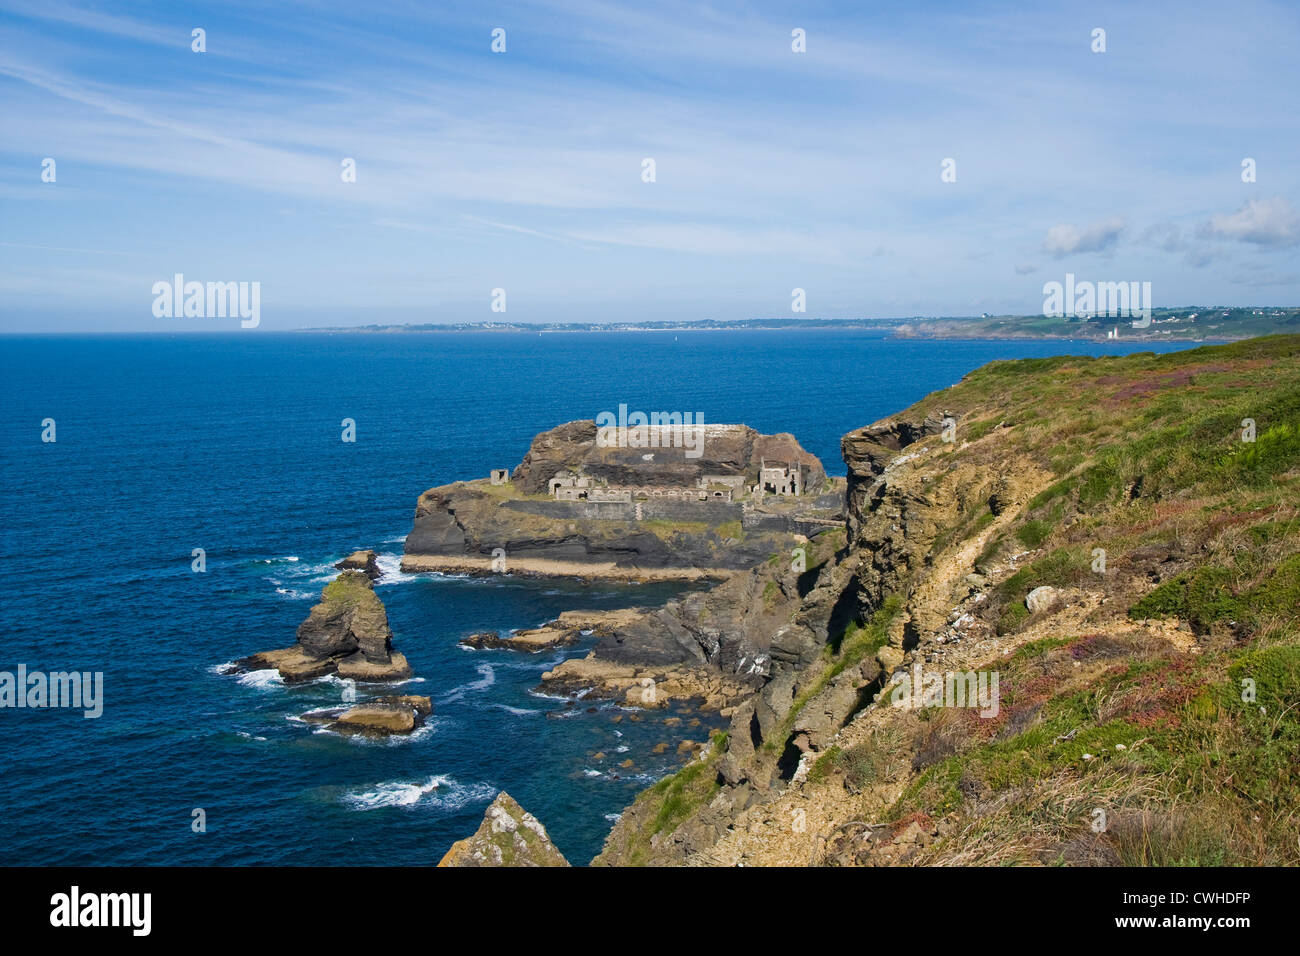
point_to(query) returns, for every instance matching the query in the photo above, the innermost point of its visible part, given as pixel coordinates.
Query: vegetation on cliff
(1148, 692)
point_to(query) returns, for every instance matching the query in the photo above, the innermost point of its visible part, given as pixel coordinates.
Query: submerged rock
(508, 836)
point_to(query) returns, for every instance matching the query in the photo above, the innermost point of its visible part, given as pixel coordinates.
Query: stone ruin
(778, 479)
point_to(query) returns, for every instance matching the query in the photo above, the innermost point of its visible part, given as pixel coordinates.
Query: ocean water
(232, 443)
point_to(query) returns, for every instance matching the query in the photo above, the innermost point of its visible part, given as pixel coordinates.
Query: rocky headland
(577, 507)
(1114, 583)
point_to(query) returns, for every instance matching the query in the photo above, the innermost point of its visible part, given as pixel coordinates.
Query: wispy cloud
(1064, 239)
(774, 168)
(1265, 222)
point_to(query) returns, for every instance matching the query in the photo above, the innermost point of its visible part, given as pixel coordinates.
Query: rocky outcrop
(377, 717)
(347, 633)
(568, 628)
(979, 550)
(508, 836)
(644, 687)
(365, 560)
(869, 452)
(477, 527)
(828, 638)
(530, 639)
(720, 450)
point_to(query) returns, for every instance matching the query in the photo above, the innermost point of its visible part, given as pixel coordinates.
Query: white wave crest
(262, 680)
(439, 790)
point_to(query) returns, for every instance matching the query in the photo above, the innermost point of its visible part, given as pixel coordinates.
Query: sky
(525, 170)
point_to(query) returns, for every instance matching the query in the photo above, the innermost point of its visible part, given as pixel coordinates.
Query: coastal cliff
(1061, 625)
(657, 508)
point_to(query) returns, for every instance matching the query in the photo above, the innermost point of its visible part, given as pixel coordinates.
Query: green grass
(1203, 777)
(1210, 594)
(1033, 533)
(675, 798)
(730, 529)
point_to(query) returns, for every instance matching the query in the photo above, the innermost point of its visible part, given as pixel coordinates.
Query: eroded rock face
(349, 618)
(347, 633)
(741, 628)
(508, 836)
(868, 452)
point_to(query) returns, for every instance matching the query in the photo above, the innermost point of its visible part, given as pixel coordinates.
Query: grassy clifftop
(1149, 705)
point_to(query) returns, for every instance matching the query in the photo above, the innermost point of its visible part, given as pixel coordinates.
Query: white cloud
(1064, 239)
(1265, 222)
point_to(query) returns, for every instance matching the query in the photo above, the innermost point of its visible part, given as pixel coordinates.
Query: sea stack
(346, 633)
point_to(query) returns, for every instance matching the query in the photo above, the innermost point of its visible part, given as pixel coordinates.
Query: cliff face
(1051, 613)
(517, 527)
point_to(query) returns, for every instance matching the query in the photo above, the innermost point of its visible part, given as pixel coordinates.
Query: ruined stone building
(779, 478)
(774, 479)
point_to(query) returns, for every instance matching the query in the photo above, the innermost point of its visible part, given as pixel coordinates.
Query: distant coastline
(1188, 324)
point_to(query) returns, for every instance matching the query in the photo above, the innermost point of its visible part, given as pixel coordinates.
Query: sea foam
(440, 791)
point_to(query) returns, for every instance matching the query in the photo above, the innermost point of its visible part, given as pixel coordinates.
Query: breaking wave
(438, 791)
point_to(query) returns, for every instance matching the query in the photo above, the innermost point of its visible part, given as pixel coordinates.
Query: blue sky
(523, 170)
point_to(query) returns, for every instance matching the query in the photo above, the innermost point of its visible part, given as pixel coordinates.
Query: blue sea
(232, 443)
